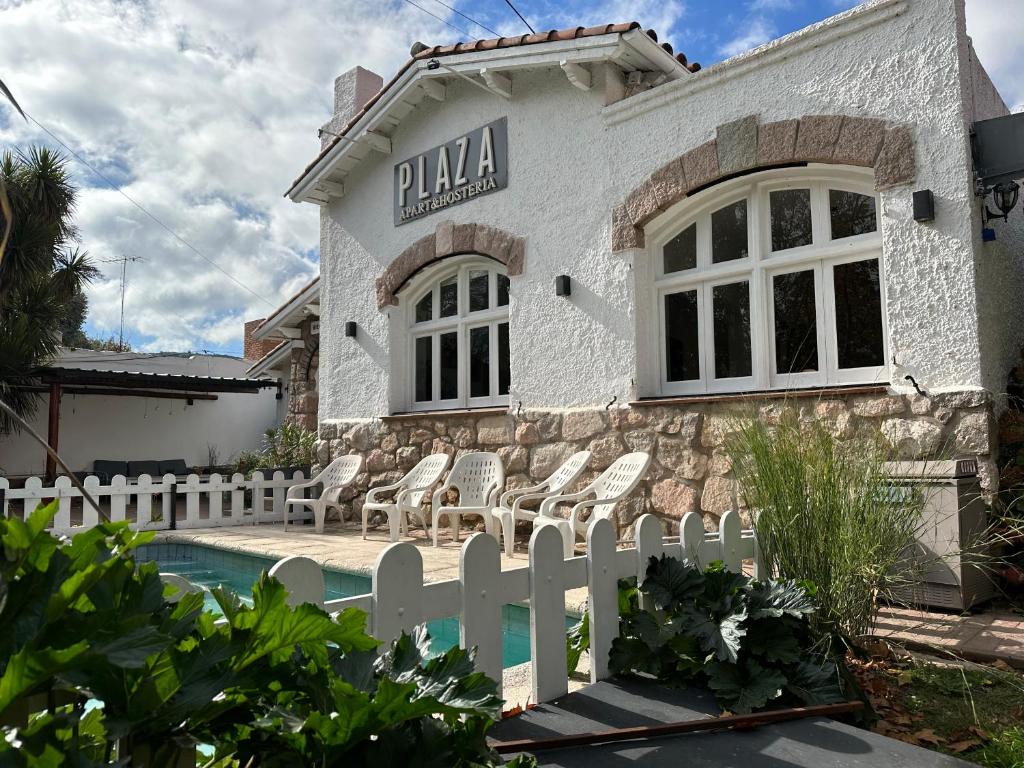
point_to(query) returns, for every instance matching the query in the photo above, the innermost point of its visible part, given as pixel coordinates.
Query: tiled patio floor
(983, 636)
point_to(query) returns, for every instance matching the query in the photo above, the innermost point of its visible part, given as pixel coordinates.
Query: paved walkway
(984, 636)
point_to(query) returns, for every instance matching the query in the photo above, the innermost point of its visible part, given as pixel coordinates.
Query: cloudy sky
(203, 112)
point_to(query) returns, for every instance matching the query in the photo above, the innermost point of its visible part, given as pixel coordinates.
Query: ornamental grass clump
(827, 513)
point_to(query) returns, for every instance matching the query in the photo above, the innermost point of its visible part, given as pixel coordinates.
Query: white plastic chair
(336, 477)
(479, 477)
(510, 508)
(613, 485)
(409, 493)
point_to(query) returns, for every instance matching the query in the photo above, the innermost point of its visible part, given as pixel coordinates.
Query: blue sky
(204, 113)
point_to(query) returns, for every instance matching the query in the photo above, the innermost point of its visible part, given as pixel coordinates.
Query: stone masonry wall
(303, 394)
(690, 470)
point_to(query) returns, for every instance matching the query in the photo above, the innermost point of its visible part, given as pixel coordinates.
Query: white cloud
(756, 31)
(998, 33)
(205, 114)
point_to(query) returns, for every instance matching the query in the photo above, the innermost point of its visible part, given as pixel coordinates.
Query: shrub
(288, 445)
(747, 640)
(269, 685)
(826, 512)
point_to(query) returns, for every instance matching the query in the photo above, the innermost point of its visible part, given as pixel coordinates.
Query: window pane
(796, 323)
(681, 350)
(479, 362)
(791, 218)
(851, 214)
(449, 299)
(449, 366)
(424, 368)
(858, 314)
(504, 361)
(425, 308)
(478, 280)
(729, 232)
(502, 290)
(731, 307)
(681, 251)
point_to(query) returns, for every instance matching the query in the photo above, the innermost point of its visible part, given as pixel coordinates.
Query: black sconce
(924, 206)
(1005, 197)
(563, 286)
(350, 329)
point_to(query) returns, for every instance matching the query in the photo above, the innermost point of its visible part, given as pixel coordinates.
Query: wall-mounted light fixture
(1005, 197)
(924, 206)
(350, 329)
(563, 286)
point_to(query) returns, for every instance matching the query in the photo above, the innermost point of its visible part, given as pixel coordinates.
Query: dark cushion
(104, 469)
(151, 468)
(173, 467)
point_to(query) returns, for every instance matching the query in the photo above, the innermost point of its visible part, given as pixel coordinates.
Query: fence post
(4, 485)
(169, 501)
(480, 615)
(216, 498)
(277, 495)
(257, 497)
(91, 515)
(648, 544)
(303, 579)
(62, 492)
(143, 502)
(691, 537)
(603, 597)
(238, 497)
(729, 534)
(192, 491)
(118, 497)
(547, 614)
(397, 584)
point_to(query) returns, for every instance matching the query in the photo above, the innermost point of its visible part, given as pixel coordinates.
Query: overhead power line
(116, 187)
(521, 17)
(467, 18)
(439, 18)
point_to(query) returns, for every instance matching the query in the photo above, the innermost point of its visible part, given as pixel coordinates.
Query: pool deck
(343, 548)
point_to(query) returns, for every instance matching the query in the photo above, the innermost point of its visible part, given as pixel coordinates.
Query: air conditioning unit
(953, 522)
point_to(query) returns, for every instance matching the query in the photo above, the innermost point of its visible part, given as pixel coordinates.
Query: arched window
(458, 335)
(770, 281)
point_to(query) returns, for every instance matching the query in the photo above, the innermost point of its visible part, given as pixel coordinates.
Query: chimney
(255, 349)
(351, 91)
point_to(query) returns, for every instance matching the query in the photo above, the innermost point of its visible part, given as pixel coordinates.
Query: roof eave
(596, 49)
(283, 314)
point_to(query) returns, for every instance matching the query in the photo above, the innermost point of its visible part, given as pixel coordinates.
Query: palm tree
(42, 272)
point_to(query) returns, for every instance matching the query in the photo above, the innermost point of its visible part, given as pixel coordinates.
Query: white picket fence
(153, 503)
(400, 600)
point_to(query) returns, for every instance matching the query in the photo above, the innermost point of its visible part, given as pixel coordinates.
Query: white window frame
(461, 324)
(758, 268)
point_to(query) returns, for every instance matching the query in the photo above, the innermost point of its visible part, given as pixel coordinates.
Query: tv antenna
(123, 259)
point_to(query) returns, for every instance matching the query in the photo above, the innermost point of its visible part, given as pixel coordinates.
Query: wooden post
(480, 612)
(547, 615)
(53, 431)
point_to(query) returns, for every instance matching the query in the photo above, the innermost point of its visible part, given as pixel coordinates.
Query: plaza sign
(471, 165)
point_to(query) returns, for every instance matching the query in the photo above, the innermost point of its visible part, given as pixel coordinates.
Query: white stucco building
(728, 236)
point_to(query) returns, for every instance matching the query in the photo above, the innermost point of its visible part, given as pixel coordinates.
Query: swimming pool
(209, 567)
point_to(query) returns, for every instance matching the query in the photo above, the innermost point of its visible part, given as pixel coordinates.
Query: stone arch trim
(450, 239)
(747, 145)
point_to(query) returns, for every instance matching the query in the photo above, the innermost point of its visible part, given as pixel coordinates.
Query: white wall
(571, 161)
(138, 428)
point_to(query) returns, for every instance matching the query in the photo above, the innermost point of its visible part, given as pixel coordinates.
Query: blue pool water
(209, 567)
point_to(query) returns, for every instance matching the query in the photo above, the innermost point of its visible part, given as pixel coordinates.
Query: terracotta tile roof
(420, 51)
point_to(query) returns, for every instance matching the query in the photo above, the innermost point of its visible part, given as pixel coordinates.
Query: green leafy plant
(288, 445)
(747, 640)
(827, 513)
(99, 666)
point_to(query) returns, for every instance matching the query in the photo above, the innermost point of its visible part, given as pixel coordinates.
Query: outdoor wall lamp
(1005, 197)
(924, 206)
(350, 329)
(563, 286)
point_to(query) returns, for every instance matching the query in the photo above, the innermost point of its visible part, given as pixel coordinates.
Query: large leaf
(745, 687)
(815, 682)
(577, 640)
(670, 581)
(778, 598)
(29, 668)
(772, 640)
(719, 635)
